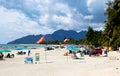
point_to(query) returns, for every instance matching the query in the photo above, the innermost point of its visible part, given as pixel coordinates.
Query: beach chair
(37, 58)
(74, 55)
(28, 60)
(79, 55)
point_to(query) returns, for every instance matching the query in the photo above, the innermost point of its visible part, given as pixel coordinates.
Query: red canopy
(41, 40)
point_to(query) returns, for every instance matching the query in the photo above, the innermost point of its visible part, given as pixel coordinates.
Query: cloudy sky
(20, 18)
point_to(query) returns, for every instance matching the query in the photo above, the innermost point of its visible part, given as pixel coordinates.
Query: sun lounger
(77, 55)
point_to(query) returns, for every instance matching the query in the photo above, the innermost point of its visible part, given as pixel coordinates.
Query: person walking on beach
(28, 52)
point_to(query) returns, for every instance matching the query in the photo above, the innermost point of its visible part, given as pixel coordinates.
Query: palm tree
(112, 25)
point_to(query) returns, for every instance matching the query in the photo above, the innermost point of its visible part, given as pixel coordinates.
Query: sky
(20, 18)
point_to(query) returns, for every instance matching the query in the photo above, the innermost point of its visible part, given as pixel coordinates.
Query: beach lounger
(79, 55)
(37, 58)
(28, 60)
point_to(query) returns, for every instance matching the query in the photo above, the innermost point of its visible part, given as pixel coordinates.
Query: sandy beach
(56, 64)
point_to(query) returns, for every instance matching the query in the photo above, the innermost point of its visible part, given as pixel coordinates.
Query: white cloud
(96, 5)
(15, 25)
(89, 2)
(89, 17)
(44, 19)
(61, 19)
(63, 8)
(6, 17)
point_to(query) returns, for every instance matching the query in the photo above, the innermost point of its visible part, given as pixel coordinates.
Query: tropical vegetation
(111, 32)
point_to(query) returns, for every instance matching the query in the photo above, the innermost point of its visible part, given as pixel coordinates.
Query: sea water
(24, 46)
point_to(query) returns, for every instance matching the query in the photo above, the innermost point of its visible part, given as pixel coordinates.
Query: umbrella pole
(45, 56)
(67, 57)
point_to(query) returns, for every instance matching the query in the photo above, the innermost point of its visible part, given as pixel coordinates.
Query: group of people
(10, 56)
(91, 52)
(22, 53)
(7, 56)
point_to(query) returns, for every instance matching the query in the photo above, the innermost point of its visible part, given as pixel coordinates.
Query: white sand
(58, 65)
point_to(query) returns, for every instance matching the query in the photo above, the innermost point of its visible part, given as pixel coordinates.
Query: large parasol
(5, 51)
(41, 40)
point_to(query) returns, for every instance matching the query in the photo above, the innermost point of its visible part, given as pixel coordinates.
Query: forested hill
(57, 35)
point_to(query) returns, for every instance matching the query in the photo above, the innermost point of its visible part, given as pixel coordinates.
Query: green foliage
(53, 42)
(93, 37)
(72, 41)
(111, 32)
(89, 35)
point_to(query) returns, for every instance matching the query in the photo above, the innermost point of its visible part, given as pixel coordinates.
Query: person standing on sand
(28, 52)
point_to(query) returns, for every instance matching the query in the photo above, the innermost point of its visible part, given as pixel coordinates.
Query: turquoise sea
(15, 46)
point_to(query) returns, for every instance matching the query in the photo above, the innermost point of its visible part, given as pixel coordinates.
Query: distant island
(57, 35)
